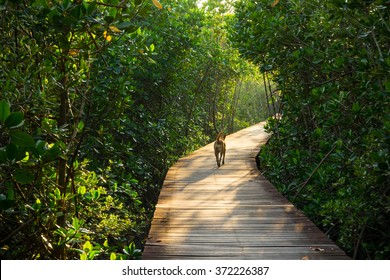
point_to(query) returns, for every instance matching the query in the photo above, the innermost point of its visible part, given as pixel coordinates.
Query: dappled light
(102, 104)
(230, 212)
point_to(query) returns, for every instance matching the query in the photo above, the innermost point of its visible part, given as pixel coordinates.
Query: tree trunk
(61, 178)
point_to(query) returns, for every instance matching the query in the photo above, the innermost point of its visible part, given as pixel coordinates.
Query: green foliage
(330, 151)
(96, 251)
(47, 76)
(98, 100)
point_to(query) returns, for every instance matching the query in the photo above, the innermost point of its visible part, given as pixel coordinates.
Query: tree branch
(304, 184)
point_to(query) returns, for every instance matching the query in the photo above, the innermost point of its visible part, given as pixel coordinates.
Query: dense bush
(330, 151)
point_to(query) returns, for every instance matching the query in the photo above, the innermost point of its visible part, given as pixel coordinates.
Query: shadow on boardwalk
(231, 212)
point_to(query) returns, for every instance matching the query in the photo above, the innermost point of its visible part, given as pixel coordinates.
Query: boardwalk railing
(231, 212)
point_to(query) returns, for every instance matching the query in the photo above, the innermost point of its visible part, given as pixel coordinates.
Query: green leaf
(23, 176)
(133, 181)
(92, 254)
(22, 139)
(318, 131)
(81, 190)
(356, 107)
(51, 154)
(4, 110)
(113, 256)
(96, 194)
(387, 124)
(87, 247)
(26, 157)
(80, 126)
(12, 151)
(127, 26)
(83, 256)
(77, 12)
(76, 223)
(91, 8)
(14, 120)
(57, 193)
(126, 251)
(3, 156)
(132, 247)
(10, 193)
(37, 205)
(387, 85)
(40, 148)
(6, 204)
(109, 19)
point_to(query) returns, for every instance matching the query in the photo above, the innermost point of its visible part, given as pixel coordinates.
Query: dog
(220, 148)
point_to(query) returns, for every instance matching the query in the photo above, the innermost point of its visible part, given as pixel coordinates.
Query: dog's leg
(217, 158)
(223, 152)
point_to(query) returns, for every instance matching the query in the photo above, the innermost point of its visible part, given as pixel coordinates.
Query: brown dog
(220, 148)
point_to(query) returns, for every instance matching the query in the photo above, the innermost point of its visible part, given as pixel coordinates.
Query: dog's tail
(220, 137)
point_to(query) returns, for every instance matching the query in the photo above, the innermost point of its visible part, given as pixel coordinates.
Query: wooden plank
(231, 212)
(249, 252)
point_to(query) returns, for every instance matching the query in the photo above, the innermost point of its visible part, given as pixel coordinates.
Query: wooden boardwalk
(231, 212)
